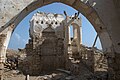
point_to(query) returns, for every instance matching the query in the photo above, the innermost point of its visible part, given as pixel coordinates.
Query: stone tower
(45, 49)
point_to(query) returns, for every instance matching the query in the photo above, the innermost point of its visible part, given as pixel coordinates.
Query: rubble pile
(12, 59)
(78, 69)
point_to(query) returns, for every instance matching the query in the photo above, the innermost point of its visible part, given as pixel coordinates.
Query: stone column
(4, 41)
(66, 23)
(80, 27)
(69, 35)
(76, 35)
(78, 38)
(66, 41)
(66, 37)
(74, 32)
(80, 34)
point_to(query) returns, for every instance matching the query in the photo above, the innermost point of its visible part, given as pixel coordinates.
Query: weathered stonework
(92, 58)
(107, 11)
(49, 49)
(46, 46)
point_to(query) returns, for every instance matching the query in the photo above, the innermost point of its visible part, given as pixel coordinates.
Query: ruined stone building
(50, 46)
(45, 49)
(103, 15)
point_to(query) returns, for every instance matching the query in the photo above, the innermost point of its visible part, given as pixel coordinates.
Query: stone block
(50, 1)
(68, 2)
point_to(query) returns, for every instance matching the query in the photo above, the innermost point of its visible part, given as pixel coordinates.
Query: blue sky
(21, 34)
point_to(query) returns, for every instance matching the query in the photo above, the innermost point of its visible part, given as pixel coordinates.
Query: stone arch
(86, 9)
(77, 32)
(77, 26)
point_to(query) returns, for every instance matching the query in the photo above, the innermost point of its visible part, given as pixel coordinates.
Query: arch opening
(73, 24)
(91, 16)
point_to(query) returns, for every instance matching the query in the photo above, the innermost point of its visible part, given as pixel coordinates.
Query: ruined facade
(98, 12)
(49, 49)
(45, 48)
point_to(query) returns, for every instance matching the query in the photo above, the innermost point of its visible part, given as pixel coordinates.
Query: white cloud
(19, 38)
(25, 41)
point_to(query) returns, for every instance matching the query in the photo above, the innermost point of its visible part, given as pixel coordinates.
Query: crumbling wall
(47, 55)
(92, 58)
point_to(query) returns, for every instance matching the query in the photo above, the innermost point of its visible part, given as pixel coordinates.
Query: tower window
(56, 23)
(51, 22)
(37, 22)
(41, 22)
